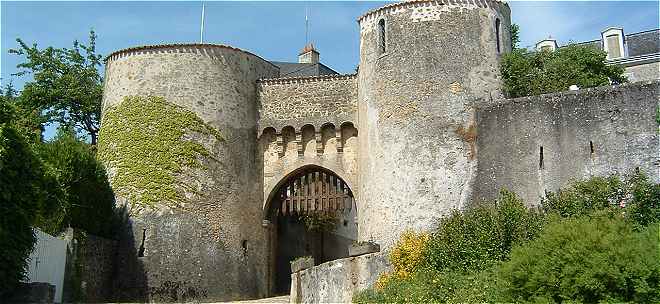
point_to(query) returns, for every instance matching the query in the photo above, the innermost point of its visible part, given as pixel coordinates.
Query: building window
(497, 34)
(381, 36)
(614, 43)
(613, 48)
(548, 45)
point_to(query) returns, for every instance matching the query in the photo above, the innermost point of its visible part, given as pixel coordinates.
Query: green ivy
(319, 221)
(144, 140)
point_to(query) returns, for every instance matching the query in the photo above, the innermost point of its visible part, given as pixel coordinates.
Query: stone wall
(591, 132)
(90, 268)
(643, 72)
(416, 115)
(316, 101)
(336, 281)
(31, 293)
(212, 248)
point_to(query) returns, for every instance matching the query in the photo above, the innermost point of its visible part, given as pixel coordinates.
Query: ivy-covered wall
(148, 142)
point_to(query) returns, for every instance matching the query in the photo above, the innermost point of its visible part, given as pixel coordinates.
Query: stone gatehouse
(421, 129)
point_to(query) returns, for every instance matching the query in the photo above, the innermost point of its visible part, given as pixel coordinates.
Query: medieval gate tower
(396, 141)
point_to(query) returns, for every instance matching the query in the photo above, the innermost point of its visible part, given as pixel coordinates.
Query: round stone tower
(424, 65)
(200, 236)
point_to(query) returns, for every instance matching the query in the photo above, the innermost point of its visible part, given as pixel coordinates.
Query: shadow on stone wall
(130, 279)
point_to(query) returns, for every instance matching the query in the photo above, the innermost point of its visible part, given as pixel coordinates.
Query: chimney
(308, 55)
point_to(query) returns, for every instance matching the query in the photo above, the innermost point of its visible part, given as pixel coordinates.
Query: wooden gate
(314, 191)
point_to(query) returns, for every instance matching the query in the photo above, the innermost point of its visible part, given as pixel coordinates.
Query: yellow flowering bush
(406, 256)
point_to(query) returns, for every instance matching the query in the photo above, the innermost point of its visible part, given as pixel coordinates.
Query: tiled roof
(643, 43)
(294, 69)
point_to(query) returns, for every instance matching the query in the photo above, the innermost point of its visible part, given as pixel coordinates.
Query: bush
(407, 257)
(23, 189)
(483, 235)
(596, 240)
(87, 200)
(585, 197)
(644, 208)
(636, 196)
(418, 287)
(586, 259)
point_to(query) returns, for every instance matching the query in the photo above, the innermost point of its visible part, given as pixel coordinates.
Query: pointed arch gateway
(310, 194)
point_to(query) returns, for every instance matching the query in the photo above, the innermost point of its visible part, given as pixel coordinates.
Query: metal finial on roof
(306, 25)
(201, 30)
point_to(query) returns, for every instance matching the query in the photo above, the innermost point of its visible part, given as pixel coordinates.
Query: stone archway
(312, 212)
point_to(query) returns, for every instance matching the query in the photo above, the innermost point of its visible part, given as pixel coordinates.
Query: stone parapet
(337, 281)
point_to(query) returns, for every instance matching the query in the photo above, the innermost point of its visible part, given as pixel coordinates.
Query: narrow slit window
(244, 245)
(497, 34)
(141, 250)
(381, 36)
(541, 158)
(591, 148)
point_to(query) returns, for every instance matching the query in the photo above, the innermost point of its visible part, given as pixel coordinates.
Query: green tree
(66, 87)
(24, 190)
(515, 36)
(86, 198)
(28, 122)
(529, 73)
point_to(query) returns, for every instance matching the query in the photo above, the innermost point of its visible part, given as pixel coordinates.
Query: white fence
(47, 262)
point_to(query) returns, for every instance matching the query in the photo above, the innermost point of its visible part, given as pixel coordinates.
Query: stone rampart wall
(90, 268)
(591, 132)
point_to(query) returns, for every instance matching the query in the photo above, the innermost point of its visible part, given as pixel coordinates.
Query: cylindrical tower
(423, 67)
(178, 138)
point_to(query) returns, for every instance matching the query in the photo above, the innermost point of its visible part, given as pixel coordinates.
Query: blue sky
(275, 30)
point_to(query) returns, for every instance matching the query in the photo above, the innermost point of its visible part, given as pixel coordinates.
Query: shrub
(636, 196)
(585, 197)
(22, 192)
(597, 240)
(645, 204)
(586, 259)
(483, 235)
(87, 201)
(406, 257)
(418, 287)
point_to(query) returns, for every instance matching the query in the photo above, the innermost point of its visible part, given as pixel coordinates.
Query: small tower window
(541, 165)
(497, 34)
(381, 36)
